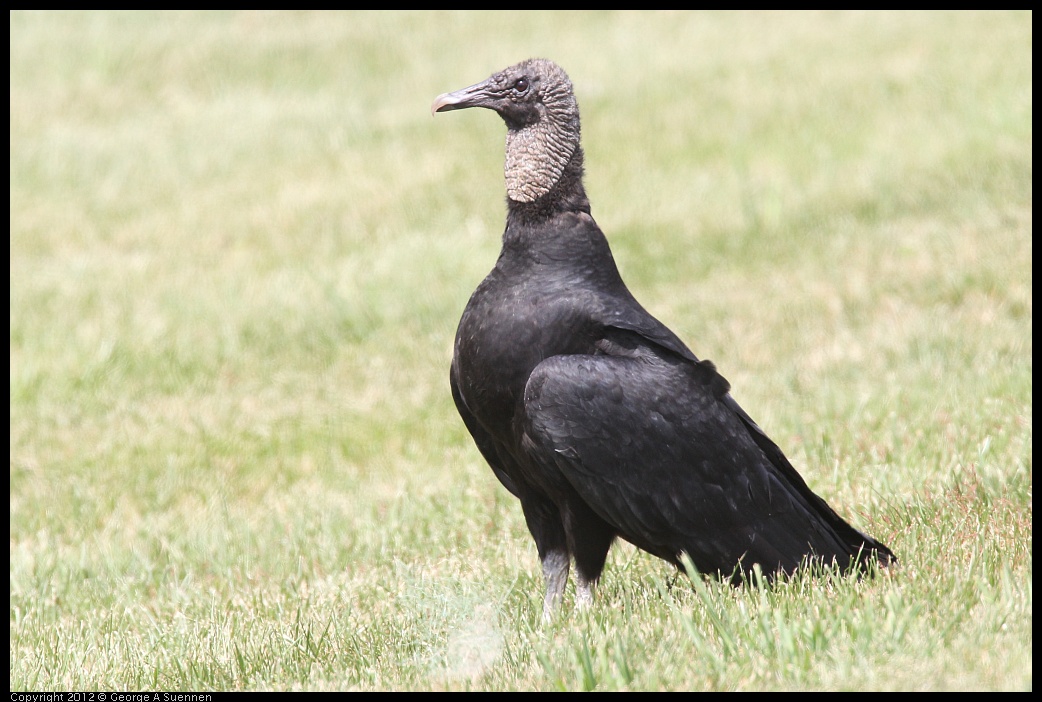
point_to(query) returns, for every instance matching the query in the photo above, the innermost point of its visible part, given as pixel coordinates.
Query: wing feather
(650, 442)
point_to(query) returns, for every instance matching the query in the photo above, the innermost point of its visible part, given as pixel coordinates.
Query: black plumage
(593, 413)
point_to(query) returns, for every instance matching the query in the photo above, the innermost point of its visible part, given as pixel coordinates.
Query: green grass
(240, 245)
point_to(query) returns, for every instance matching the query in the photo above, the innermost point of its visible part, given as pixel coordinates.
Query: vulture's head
(536, 101)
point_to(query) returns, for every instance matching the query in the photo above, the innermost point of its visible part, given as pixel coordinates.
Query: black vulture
(595, 415)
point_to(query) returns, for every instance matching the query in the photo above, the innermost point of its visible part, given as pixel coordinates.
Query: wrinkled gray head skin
(536, 101)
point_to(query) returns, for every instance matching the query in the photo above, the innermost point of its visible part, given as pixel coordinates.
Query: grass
(239, 249)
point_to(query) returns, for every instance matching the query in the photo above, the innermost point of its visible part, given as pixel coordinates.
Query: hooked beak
(475, 96)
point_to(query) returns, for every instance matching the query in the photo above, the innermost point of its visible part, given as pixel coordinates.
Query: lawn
(240, 245)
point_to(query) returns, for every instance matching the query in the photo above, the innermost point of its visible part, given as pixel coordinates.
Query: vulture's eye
(521, 85)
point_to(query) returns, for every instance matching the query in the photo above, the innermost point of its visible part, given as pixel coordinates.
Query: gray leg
(555, 572)
(583, 593)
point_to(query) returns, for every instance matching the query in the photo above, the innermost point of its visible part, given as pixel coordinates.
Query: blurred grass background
(240, 245)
